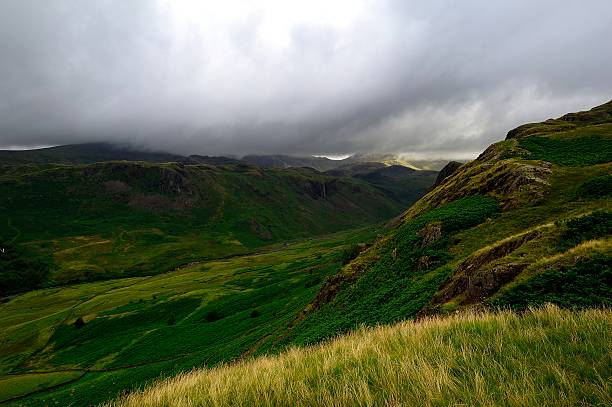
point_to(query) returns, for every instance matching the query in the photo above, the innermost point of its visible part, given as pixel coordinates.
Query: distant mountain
(83, 154)
(88, 153)
(431, 165)
(287, 161)
(326, 164)
(402, 183)
(210, 160)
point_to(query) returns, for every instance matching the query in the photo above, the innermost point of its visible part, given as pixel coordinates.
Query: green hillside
(119, 219)
(528, 222)
(403, 184)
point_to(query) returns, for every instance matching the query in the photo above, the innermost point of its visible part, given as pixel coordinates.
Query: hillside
(119, 219)
(547, 357)
(529, 221)
(404, 184)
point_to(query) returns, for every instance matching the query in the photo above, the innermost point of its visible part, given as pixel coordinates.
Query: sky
(322, 77)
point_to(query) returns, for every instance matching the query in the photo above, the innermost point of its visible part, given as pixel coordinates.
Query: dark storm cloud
(429, 78)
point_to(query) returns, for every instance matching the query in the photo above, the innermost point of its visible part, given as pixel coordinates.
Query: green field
(138, 328)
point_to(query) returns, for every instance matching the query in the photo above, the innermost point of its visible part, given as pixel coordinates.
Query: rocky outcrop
(474, 281)
(431, 233)
(448, 170)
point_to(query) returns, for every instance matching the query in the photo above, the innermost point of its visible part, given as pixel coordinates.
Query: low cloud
(434, 78)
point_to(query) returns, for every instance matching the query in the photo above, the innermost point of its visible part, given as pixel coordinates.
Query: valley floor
(136, 329)
(544, 357)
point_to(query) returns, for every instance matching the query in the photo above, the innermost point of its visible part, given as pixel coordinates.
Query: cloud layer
(438, 78)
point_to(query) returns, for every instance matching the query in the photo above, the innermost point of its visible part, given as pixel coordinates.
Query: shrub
(350, 253)
(254, 313)
(571, 152)
(212, 316)
(79, 323)
(592, 226)
(588, 283)
(598, 187)
(311, 282)
(21, 270)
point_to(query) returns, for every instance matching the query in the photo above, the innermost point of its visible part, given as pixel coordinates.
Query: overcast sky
(438, 78)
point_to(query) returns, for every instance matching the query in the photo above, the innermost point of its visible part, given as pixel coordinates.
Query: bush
(21, 270)
(212, 316)
(311, 282)
(580, 151)
(588, 283)
(598, 187)
(79, 323)
(593, 226)
(350, 253)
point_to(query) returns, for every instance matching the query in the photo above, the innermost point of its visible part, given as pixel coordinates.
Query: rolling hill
(120, 219)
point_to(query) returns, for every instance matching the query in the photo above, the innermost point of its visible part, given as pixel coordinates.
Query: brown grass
(546, 357)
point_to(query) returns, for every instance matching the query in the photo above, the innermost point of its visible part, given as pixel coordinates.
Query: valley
(121, 275)
(135, 329)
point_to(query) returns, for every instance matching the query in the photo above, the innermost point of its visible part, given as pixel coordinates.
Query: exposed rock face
(159, 203)
(320, 190)
(512, 181)
(430, 234)
(448, 170)
(473, 280)
(117, 187)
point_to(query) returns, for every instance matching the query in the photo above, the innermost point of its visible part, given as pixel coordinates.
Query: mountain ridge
(89, 153)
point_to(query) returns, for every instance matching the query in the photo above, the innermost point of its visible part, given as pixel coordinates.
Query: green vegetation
(546, 357)
(587, 150)
(21, 270)
(598, 187)
(121, 219)
(404, 276)
(592, 226)
(104, 337)
(588, 283)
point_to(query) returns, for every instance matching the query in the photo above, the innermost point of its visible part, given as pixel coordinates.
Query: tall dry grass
(546, 357)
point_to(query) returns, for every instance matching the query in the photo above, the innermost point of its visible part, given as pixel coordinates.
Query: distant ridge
(85, 153)
(88, 153)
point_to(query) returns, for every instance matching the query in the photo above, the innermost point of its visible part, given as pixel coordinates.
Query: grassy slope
(503, 226)
(547, 357)
(138, 328)
(118, 219)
